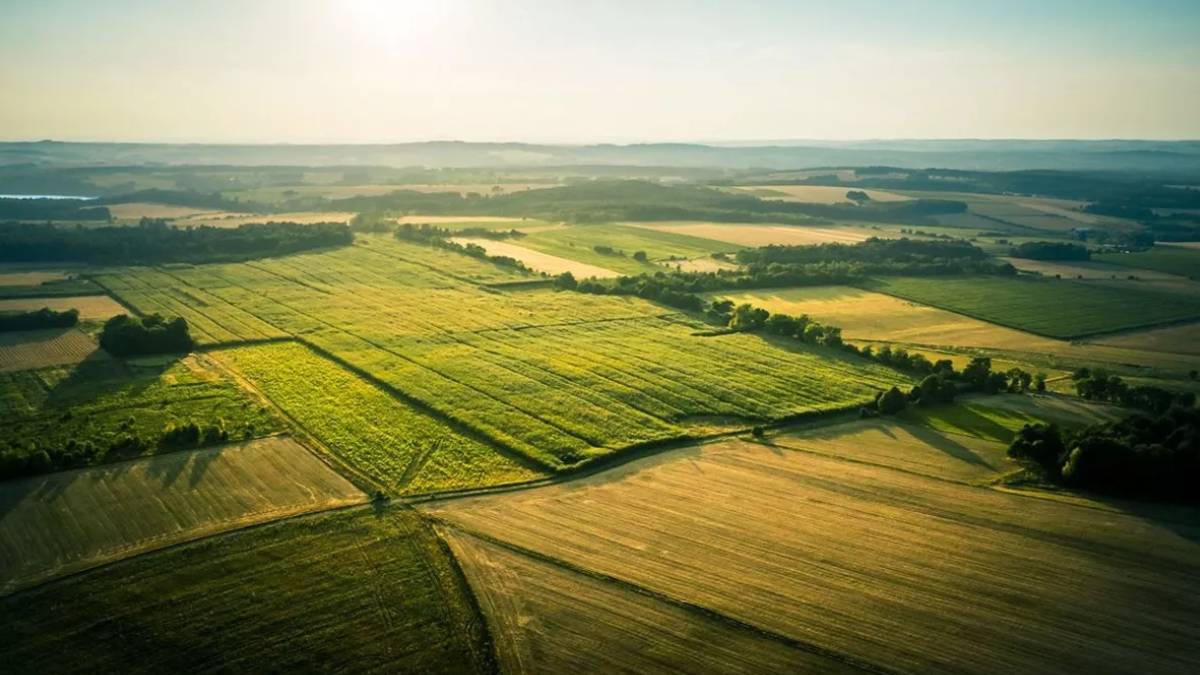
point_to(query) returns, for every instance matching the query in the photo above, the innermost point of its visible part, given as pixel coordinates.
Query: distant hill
(1174, 157)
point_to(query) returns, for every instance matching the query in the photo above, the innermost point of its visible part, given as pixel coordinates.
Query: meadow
(555, 376)
(354, 591)
(65, 522)
(1054, 308)
(835, 553)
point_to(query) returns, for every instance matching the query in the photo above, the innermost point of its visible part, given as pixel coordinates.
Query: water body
(80, 197)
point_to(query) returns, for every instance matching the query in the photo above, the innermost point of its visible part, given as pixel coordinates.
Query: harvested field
(139, 210)
(1054, 308)
(585, 243)
(817, 194)
(357, 592)
(864, 315)
(541, 262)
(226, 219)
(64, 522)
(885, 569)
(29, 277)
(754, 234)
(91, 307)
(545, 618)
(41, 348)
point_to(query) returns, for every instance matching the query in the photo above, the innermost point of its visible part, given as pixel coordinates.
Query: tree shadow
(946, 444)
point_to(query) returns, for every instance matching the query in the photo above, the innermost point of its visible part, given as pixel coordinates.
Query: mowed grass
(102, 400)
(558, 377)
(1169, 259)
(64, 522)
(883, 569)
(355, 592)
(24, 350)
(578, 242)
(1054, 308)
(376, 434)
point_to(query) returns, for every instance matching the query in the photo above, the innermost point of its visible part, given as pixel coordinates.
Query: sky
(581, 71)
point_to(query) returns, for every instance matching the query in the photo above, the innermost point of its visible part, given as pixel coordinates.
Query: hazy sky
(579, 71)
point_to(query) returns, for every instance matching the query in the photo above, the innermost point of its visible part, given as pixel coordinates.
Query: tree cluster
(37, 319)
(1152, 456)
(1050, 250)
(154, 241)
(1098, 385)
(124, 335)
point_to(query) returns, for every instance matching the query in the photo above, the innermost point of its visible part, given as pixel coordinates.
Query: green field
(558, 377)
(1054, 308)
(1170, 259)
(103, 401)
(67, 521)
(998, 418)
(347, 592)
(374, 433)
(579, 241)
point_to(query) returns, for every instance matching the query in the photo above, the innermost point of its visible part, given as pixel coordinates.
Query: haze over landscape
(599, 337)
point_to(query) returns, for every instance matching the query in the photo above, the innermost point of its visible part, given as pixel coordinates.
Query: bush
(891, 402)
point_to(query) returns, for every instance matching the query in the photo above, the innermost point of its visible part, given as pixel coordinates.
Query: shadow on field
(944, 443)
(1179, 518)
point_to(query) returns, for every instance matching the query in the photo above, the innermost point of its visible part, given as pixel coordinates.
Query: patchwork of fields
(345, 592)
(63, 522)
(854, 561)
(1059, 309)
(1179, 260)
(556, 377)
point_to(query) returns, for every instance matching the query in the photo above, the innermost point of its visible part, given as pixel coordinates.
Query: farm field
(757, 234)
(578, 242)
(557, 377)
(135, 211)
(1060, 309)
(29, 277)
(460, 222)
(1176, 339)
(817, 194)
(1039, 213)
(25, 350)
(541, 614)
(226, 219)
(348, 592)
(69, 521)
(1089, 269)
(538, 261)
(1168, 259)
(104, 401)
(91, 307)
(375, 434)
(868, 316)
(885, 569)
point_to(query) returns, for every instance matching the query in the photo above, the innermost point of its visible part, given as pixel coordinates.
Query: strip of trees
(155, 241)
(439, 237)
(1050, 250)
(38, 319)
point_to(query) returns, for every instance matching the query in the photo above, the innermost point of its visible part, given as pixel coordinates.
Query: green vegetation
(125, 335)
(376, 434)
(1170, 259)
(37, 319)
(353, 592)
(156, 242)
(43, 210)
(1054, 308)
(104, 410)
(1050, 250)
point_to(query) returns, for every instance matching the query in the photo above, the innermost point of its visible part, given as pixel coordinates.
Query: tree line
(53, 209)
(155, 241)
(38, 319)
(432, 235)
(1050, 250)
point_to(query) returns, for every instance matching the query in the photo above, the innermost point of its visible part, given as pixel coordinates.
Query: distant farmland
(1179, 260)
(97, 307)
(64, 522)
(875, 568)
(1059, 309)
(757, 234)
